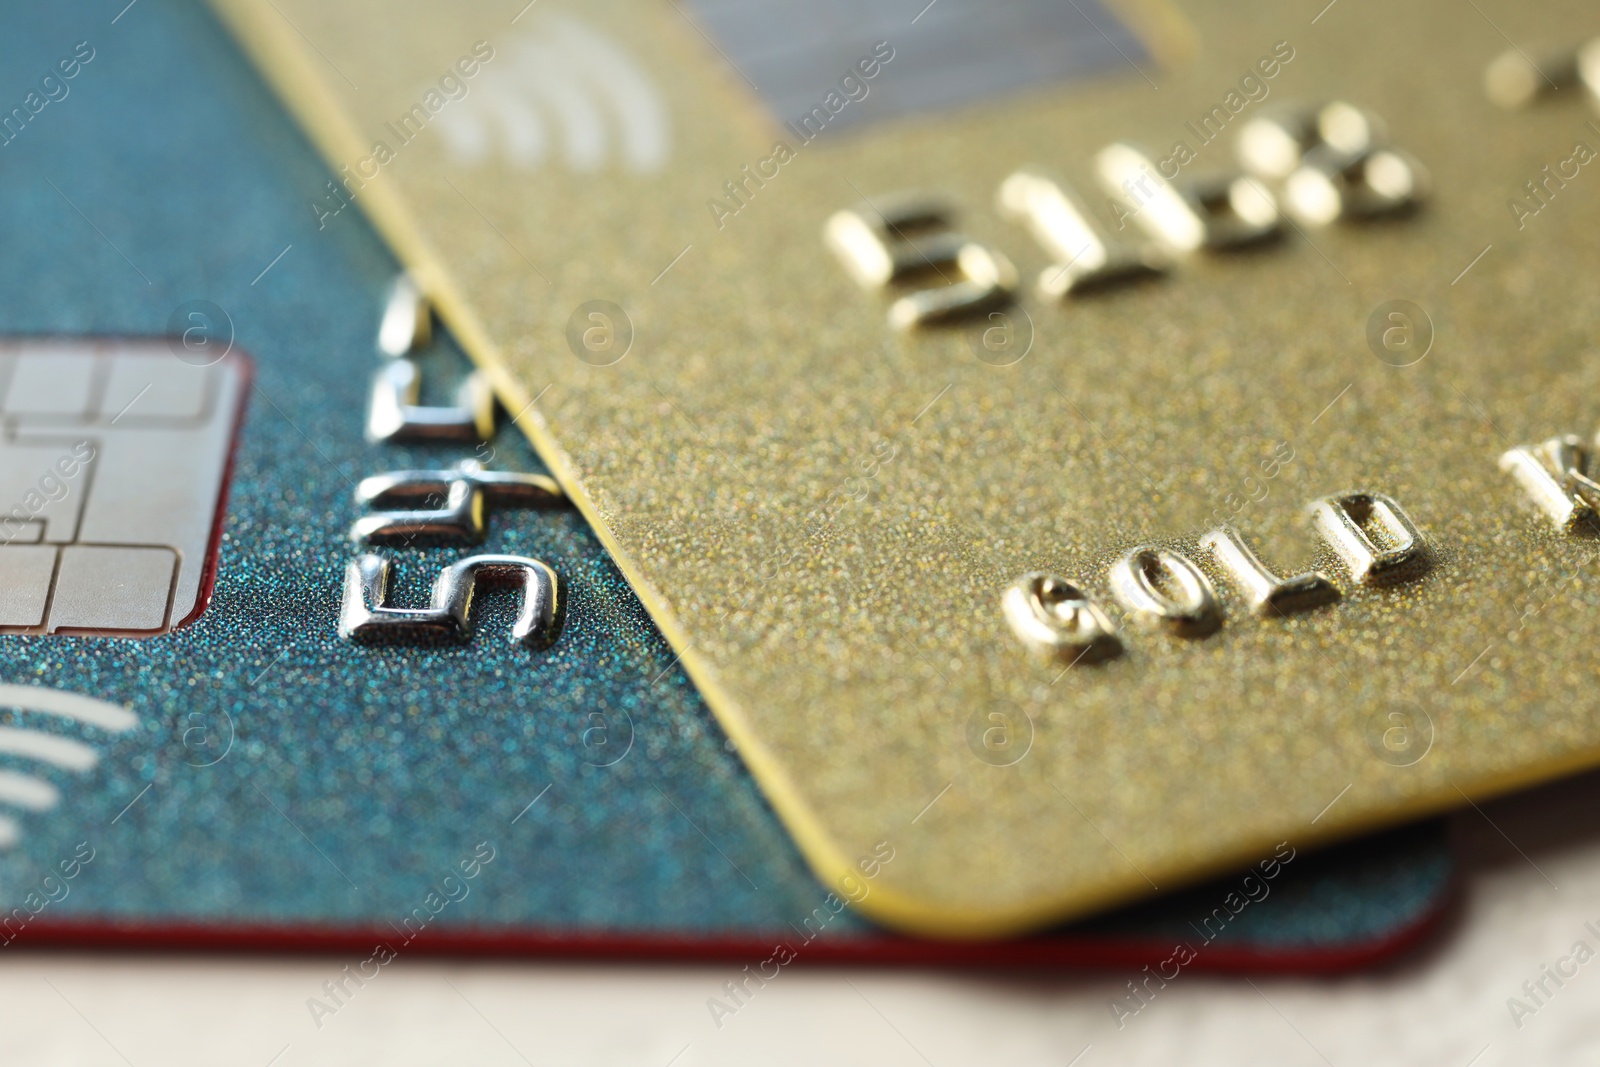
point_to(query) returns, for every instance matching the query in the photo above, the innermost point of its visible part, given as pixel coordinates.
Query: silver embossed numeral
(454, 503)
(393, 413)
(407, 322)
(1085, 257)
(366, 615)
(1187, 214)
(1334, 160)
(908, 237)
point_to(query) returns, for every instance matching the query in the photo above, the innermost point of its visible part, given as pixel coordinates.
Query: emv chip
(113, 465)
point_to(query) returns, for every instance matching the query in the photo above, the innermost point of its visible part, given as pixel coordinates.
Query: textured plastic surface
(823, 513)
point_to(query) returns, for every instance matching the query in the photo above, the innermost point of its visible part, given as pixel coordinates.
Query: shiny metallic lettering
(1190, 214)
(1274, 144)
(1555, 475)
(1055, 618)
(1085, 258)
(1341, 520)
(407, 322)
(1335, 162)
(454, 503)
(1266, 593)
(1328, 188)
(907, 236)
(1515, 80)
(1588, 62)
(1141, 581)
(366, 616)
(393, 413)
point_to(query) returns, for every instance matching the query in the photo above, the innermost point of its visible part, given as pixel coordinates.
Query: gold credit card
(1082, 446)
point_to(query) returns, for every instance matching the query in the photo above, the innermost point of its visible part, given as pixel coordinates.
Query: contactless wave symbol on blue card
(564, 84)
(30, 792)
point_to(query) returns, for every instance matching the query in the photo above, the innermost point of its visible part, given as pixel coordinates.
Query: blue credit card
(198, 747)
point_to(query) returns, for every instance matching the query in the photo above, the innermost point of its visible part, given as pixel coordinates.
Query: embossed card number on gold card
(1329, 263)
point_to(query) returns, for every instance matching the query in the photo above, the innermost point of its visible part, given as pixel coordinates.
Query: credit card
(1184, 406)
(191, 755)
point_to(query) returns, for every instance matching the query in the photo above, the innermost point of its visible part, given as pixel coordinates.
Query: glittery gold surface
(851, 651)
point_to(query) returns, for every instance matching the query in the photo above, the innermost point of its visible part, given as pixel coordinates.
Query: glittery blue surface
(282, 776)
